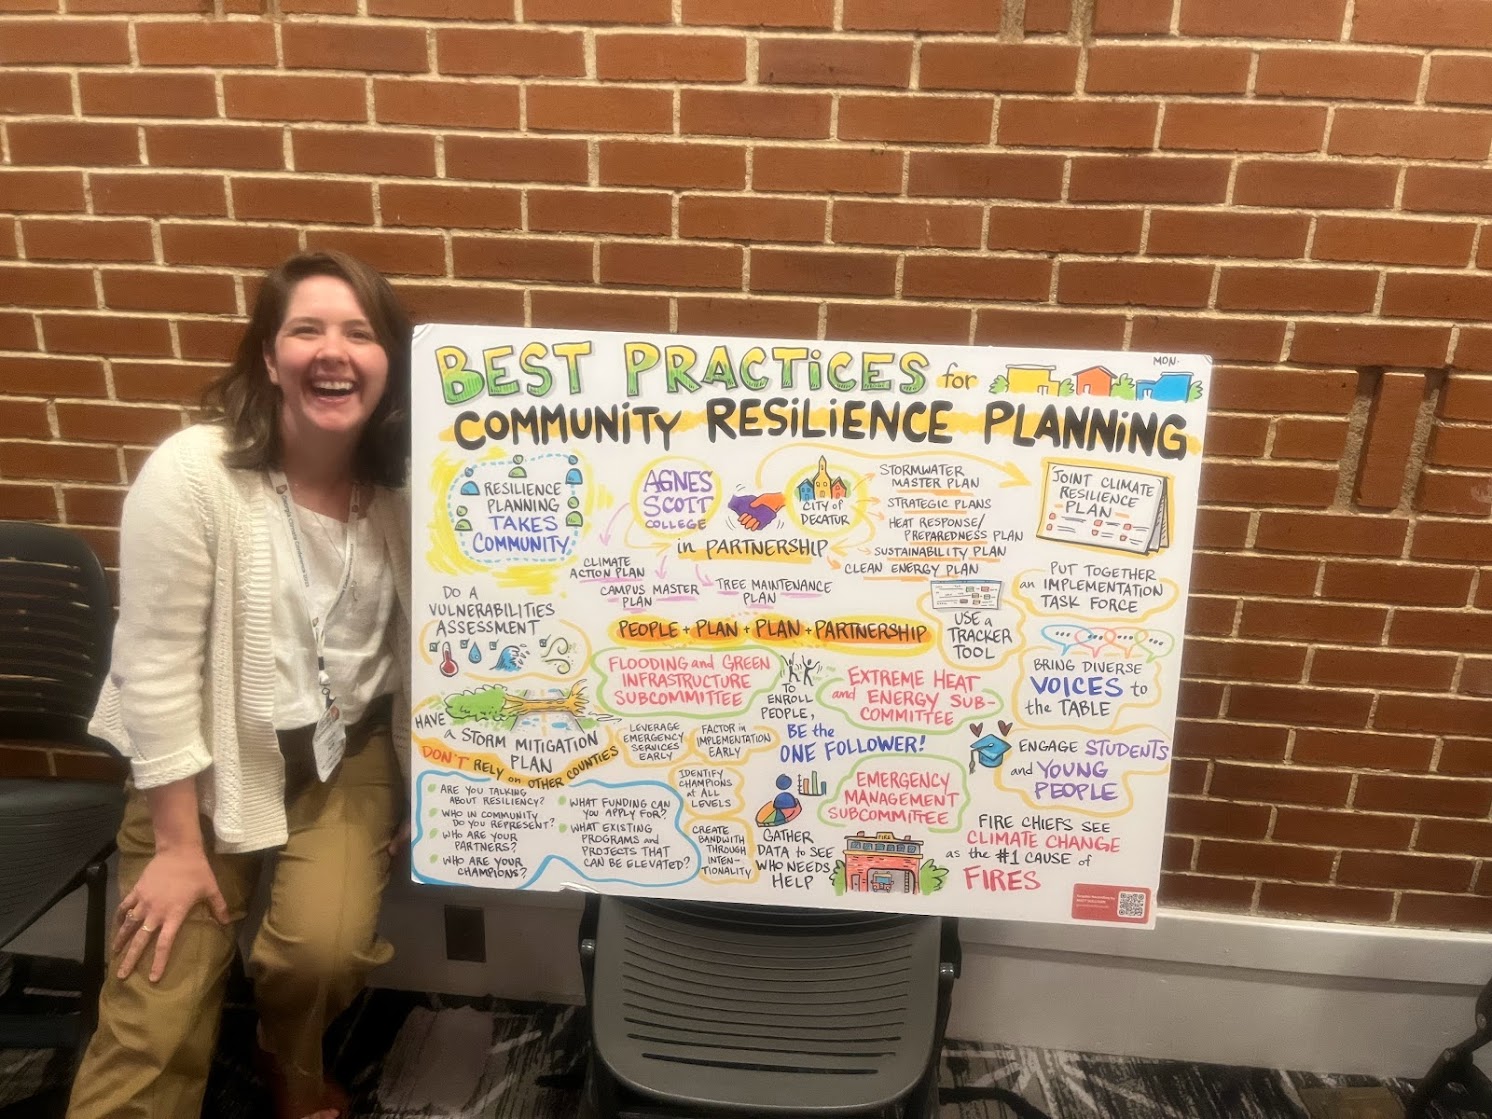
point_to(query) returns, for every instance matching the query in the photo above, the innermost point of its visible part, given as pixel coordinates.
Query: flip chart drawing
(803, 622)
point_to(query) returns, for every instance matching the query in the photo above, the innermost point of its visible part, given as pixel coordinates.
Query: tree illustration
(1001, 383)
(1124, 388)
(1195, 391)
(1067, 388)
(931, 877)
(837, 878)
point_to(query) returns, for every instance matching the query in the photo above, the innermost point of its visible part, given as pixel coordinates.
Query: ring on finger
(131, 916)
(147, 928)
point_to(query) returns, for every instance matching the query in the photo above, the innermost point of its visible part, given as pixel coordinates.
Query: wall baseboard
(1224, 989)
(1205, 987)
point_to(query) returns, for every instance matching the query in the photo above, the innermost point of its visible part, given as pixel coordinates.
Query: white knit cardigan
(191, 688)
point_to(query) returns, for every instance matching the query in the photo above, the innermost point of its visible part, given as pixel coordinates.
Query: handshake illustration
(756, 511)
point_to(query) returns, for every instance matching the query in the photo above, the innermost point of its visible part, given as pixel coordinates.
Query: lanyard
(349, 555)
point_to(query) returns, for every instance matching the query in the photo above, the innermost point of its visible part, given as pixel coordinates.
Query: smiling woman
(331, 371)
(260, 666)
(325, 313)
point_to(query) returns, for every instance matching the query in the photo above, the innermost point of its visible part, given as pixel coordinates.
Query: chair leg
(91, 983)
(1440, 1075)
(922, 1102)
(946, 978)
(589, 918)
(1454, 1066)
(95, 952)
(599, 1097)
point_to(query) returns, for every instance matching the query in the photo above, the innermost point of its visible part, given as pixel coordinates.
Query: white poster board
(876, 626)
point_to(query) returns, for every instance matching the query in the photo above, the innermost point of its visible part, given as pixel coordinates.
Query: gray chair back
(56, 619)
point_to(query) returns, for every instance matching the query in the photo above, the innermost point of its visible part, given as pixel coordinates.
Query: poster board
(862, 625)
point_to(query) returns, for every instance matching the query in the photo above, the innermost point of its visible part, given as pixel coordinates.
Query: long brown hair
(248, 403)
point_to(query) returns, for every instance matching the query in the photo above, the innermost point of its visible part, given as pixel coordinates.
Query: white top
(191, 688)
(358, 658)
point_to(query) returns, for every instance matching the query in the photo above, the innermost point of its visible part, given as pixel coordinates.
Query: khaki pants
(151, 1054)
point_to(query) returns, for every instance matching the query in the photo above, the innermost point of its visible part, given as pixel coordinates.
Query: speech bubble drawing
(1067, 636)
(630, 834)
(654, 741)
(1152, 644)
(1120, 641)
(725, 850)
(899, 793)
(697, 683)
(708, 790)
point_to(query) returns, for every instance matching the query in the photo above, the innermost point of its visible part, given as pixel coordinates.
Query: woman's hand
(175, 880)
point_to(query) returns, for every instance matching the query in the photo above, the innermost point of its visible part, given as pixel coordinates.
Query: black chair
(1455, 1068)
(56, 834)
(705, 1009)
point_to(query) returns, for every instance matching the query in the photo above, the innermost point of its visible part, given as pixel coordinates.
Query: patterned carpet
(416, 1056)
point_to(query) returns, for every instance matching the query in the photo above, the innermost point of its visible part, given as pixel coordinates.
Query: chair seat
(61, 825)
(760, 1010)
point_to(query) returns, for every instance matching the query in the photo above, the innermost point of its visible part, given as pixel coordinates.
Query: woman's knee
(324, 955)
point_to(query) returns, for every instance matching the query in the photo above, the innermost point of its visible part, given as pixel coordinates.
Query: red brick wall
(1301, 189)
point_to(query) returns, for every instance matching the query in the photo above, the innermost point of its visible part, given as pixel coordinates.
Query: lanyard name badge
(329, 740)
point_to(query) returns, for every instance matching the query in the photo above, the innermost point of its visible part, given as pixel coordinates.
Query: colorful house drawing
(805, 491)
(837, 489)
(1094, 381)
(882, 863)
(1166, 387)
(1031, 378)
(822, 483)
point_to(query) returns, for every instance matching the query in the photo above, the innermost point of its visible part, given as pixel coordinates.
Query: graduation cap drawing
(988, 750)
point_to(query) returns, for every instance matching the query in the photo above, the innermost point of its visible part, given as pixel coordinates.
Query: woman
(260, 664)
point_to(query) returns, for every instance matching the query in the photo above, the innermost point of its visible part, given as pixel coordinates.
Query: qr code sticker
(1132, 904)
